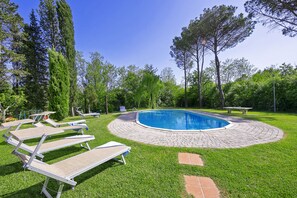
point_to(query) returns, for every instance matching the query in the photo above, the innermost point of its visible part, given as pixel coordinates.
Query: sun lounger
(87, 114)
(17, 123)
(122, 109)
(42, 115)
(54, 145)
(56, 124)
(66, 170)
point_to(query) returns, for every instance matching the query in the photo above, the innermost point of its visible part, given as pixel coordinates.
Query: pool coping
(242, 133)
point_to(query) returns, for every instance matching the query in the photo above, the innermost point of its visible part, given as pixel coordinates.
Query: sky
(139, 32)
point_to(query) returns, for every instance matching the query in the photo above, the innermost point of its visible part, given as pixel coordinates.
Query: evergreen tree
(36, 65)
(58, 85)
(67, 47)
(49, 23)
(10, 28)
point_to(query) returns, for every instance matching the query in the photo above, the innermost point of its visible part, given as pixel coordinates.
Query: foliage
(58, 85)
(231, 70)
(49, 24)
(68, 46)
(226, 31)
(10, 37)
(36, 81)
(180, 53)
(9, 102)
(275, 13)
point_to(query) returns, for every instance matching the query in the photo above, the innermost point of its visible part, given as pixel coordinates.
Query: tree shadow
(11, 168)
(34, 191)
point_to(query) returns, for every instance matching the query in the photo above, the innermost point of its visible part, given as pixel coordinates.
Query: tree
(109, 75)
(58, 85)
(49, 24)
(35, 65)
(10, 101)
(11, 27)
(180, 52)
(224, 30)
(232, 69)
(151, 85)
(95, 87)
(275, 13)
(68, 47)
(169, 92)
(196, 40)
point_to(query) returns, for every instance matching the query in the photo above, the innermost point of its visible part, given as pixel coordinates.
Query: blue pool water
(179, 120)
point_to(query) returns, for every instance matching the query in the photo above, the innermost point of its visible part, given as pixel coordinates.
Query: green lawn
(268, 170)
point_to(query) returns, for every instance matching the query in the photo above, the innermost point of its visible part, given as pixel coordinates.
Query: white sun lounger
(19, 136)
(17, 124)
(66, 170)
(54, 145)
(57, 124)
(87, 114)
(42, 115)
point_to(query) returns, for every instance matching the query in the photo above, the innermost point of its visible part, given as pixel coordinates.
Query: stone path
(240, 133)
(201, 187)
(190, 159)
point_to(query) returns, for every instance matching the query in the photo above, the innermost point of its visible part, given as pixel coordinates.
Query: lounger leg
(123, 159)
(86, 147)
(60, 189)
(44, 187)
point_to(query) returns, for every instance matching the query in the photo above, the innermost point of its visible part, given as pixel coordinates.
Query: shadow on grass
(34, 191)
(11, 168)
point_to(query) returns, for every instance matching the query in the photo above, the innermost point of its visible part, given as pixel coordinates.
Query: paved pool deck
(241, 133)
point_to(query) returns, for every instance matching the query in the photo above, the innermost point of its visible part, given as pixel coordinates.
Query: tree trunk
(200, 79)
(106, 104)
(72, 111)
(198, 74)
(222, 98)
(186, 96)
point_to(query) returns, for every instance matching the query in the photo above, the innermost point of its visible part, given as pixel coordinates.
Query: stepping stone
(190, 159)
(201, 187)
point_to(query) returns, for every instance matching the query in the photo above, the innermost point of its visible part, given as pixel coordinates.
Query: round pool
(179, 120)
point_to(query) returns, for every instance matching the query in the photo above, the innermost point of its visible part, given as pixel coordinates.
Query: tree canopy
(275, 13)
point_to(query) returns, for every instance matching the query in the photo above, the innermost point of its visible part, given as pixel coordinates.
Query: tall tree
(109, 74)
(276, 13)
(49, 23)
(58, 85)
(196, 39)
(68, 47)
(11, 24)
(95, 87)
(224, 30)
(180, 52)
(35, 65)
(151, 85)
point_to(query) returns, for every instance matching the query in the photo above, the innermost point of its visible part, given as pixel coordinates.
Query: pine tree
(49, 24)
(58, 85)
(68, 46)
(10, 28)
(36, 65)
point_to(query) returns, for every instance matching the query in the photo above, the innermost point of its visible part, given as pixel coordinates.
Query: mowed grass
(267, 170)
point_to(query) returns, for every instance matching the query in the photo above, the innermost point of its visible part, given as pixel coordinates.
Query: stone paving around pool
(241, 133)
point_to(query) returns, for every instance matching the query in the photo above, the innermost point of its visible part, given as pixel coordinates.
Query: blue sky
(140, 32)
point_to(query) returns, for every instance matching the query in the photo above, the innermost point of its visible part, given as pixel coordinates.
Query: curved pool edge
(181, 130)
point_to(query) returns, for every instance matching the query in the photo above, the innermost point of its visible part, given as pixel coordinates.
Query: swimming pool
(179, 120)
